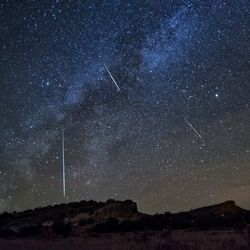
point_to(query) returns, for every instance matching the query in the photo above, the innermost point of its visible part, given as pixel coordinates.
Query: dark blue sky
(175, 137)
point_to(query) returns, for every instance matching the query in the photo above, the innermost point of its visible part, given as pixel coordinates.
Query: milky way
(174, 61)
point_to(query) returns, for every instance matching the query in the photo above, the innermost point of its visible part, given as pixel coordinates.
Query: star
(170, 59)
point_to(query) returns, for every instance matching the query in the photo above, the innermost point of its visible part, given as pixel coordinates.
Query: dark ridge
(84, 217)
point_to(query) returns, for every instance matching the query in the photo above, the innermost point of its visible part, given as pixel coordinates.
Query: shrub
(32, 230)
(5, 233)
(61, 228)
(111, 225)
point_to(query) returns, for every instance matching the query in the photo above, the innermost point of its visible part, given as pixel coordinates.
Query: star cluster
(176, 136)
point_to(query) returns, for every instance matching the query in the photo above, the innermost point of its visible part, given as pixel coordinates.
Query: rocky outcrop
(120, 210)
(117, 209)
(227, 207)
(80, 214)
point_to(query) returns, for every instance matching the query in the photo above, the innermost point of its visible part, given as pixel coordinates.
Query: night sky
(175, 137)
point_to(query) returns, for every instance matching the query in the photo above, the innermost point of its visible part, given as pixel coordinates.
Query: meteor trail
(63, 165)
(193, 128)
(118, 89)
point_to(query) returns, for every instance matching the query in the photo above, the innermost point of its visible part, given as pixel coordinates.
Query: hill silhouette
(86, 217)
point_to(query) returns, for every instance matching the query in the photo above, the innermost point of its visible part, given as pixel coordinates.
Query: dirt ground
(176, 240)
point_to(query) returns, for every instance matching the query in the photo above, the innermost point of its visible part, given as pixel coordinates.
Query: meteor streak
(114, 81)
(63, 166)
(193, 128)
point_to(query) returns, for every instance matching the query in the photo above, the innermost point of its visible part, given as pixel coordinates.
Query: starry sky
(175, 137)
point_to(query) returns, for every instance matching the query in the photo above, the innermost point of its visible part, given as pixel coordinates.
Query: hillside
(82, 218)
